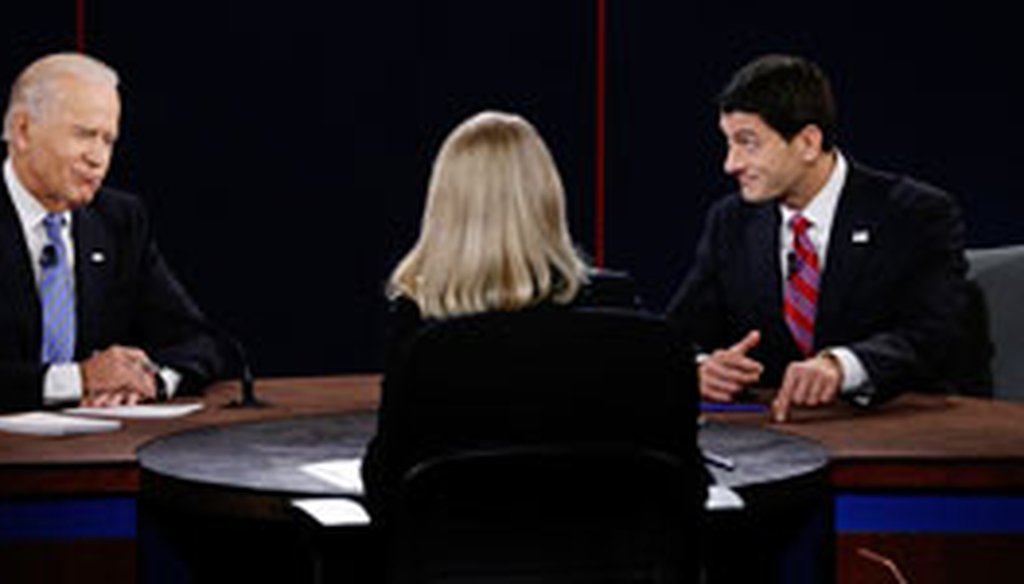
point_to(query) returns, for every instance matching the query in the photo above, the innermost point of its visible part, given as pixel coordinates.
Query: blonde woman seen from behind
(494, 252)
(494, 234)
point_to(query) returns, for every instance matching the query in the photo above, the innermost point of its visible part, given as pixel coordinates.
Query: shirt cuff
(854, 374)
(171, 379)
(62, 383)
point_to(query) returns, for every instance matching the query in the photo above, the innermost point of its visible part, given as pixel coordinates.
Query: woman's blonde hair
(494, 234)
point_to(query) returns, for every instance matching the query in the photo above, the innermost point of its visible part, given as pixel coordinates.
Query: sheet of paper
(342, 473)
(139, 412)
(722, 498)
(334, 511)
(53, 424)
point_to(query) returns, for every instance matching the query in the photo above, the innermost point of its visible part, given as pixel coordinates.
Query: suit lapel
(849, 246)
(767, 271)
(18, 280)
(91, 259)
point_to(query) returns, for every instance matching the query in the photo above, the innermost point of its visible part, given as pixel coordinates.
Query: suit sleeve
(912, 353)
(22, 386)
(696, 312)
(171, 327)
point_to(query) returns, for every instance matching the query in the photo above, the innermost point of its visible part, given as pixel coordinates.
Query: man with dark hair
(821, 277)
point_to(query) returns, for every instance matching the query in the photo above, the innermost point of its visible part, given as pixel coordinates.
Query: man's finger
(802, 386)
(738, 362)
(720, 385)
(816, 391)
(102, 399)
(749, 342)
(712, 394)
(826, 392)
(139, 358)
(780, 407)
(781, 403)
(744, 371)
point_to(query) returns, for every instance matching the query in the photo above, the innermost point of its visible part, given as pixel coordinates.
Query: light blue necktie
(57, 293)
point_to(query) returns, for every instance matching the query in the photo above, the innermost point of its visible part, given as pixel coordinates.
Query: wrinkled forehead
(77, 96)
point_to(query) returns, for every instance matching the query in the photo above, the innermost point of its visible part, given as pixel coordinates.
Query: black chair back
(999, 273)
(546, 514)
(547, 446)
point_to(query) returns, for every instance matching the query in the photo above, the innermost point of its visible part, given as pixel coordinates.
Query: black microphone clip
(48, 258)
(792, 264)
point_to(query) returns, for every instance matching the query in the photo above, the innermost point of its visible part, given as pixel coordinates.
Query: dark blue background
(283, 147)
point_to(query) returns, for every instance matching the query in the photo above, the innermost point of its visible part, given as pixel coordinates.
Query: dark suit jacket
(545, 375)
(125, 294)
(893, 297)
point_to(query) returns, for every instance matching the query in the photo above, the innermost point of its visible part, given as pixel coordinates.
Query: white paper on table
(334, 511)
(343, 472)
(722, 498)
(139, 412)
(52, 424)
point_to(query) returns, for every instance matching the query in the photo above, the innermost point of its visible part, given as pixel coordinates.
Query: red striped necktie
(801, 293)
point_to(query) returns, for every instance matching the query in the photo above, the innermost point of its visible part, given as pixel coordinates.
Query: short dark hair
(788, 92)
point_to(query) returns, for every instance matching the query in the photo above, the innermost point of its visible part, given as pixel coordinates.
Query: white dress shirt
(821, 212)
(63, 381)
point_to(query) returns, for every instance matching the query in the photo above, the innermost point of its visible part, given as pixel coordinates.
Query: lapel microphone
(48, 259)
(792, 264)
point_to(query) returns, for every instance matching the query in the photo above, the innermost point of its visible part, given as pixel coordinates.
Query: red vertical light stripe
(80, 26)
(599, 162)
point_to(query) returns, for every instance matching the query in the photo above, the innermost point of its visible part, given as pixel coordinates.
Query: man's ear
(810, 139)
(18, 138)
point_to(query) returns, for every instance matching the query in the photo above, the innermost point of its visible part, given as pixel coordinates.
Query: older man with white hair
(89, 311)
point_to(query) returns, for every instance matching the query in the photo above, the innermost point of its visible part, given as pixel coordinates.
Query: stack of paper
(721, 498)
(334, 511)
(343, 472)
(51, 424)
(138, 412)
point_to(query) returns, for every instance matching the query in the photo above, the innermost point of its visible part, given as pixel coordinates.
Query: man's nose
(97, 154)
(733, 162)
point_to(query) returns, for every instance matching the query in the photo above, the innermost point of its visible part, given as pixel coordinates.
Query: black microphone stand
(248, 397)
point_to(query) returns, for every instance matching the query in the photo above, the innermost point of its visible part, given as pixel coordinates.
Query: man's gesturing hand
(811, 382)
(726, 372)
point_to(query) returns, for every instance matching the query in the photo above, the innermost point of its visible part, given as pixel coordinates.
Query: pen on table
(718, 460)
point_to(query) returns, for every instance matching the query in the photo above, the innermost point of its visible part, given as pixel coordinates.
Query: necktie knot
(799, 224)
(53, 222)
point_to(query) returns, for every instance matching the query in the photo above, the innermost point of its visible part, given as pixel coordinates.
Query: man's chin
(80, 199)
(755, 196)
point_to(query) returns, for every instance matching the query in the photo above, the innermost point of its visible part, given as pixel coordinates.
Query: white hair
(34, 90)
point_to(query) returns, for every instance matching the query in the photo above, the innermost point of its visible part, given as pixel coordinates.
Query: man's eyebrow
(745, 134)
